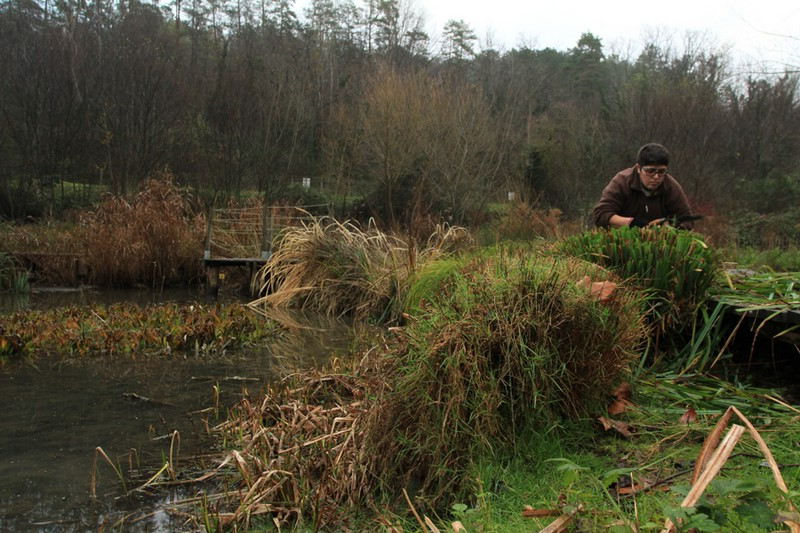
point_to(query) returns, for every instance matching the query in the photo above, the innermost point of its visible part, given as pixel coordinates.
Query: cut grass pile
(497, 344)
(130, 330)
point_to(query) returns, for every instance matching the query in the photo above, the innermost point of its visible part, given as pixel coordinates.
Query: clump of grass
(12, 277)
(340, 269)
(154, 239)
(675, 267)
(507, 343)
(498, 344)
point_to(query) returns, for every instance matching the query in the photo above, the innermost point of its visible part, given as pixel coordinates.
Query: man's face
(652, 176)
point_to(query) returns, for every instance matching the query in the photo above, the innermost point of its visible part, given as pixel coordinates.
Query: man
(642, 195)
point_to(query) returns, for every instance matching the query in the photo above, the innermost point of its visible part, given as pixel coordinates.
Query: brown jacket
(624, 195)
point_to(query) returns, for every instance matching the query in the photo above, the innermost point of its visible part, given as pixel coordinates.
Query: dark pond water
(55, 415)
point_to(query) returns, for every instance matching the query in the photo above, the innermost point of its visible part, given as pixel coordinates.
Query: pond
(56, 414)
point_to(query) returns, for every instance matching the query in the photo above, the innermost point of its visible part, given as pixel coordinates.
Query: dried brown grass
(156, 238)
(340, 269)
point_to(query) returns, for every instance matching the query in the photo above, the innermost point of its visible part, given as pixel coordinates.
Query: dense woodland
(248, 95)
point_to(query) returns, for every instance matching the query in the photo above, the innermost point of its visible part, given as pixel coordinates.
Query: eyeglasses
(653, 170)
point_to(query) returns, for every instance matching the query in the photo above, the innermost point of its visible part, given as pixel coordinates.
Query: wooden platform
(214, 265)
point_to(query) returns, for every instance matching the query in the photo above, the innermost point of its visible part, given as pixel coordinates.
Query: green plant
(675, 267)
(12, 277)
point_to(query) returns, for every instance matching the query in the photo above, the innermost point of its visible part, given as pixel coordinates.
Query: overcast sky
(754, 31)
(751, 28)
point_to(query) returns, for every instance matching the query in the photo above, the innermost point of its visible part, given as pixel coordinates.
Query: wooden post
(266, 231)
(209, 216)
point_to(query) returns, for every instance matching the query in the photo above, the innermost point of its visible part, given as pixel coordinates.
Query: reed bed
(500, 343)
(154, 239)
(338, 268)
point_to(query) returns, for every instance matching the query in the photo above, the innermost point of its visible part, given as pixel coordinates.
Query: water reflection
(55, 414)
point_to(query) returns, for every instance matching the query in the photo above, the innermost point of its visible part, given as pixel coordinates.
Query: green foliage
(781, 259)
(507, 343)
(675, 267)
(563, 466)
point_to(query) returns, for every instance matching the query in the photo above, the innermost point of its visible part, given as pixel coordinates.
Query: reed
(155, 239)
(338, 268)
(675, 267)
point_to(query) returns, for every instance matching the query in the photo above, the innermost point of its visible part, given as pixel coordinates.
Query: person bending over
(644, 194)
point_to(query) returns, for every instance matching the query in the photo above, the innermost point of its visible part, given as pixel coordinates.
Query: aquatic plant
(675, 267)
(497, 344)
(130, 330)
(338, 268)
(156, 238)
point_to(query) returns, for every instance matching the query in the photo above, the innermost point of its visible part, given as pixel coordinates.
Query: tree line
(241, 95)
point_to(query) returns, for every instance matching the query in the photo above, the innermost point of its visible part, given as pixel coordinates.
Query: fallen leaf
(689, 416)
(600, 290)
(625, 429)
(624, 391)
(458, 527)
(619, 407)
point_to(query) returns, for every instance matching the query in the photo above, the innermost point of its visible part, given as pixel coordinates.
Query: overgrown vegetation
(130, 330)
(153, 239)
(676, 268)
(497, 344)
(338, 268)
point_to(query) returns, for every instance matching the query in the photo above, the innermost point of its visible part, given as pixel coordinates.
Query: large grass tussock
(497, 344)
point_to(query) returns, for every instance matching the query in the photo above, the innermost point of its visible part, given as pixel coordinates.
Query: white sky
(754, 31)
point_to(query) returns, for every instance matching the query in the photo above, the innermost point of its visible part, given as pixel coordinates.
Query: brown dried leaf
(689, 416)
(624, 392)
(625, 429)
(619, 407)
